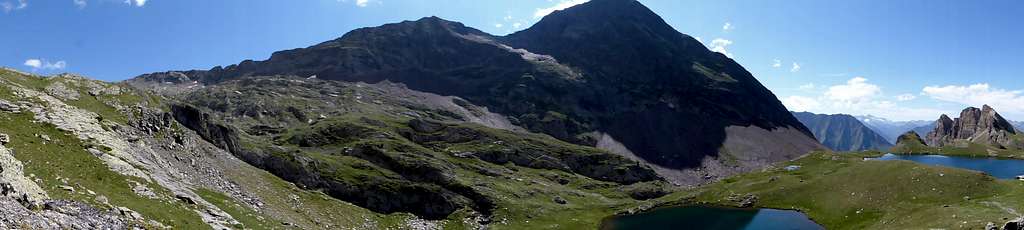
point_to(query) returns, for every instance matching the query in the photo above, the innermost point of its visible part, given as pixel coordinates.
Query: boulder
(1016, 224)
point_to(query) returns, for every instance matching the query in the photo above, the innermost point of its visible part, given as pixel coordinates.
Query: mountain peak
(945, 117)
(984, 126)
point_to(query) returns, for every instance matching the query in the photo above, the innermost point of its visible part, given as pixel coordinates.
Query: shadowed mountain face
(606, 68)
(842, 132)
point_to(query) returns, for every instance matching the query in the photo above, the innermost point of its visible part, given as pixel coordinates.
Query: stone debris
(60, 214)
(6, 106)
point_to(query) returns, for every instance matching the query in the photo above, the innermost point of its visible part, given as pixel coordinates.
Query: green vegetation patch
(844, 191)
(249, 218)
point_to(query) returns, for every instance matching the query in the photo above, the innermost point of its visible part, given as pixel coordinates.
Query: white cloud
(776, 63)
(55, 66)
(80, 3)
(719, 45)
(517, 25)
(34, 63)
(9, 6)
(138, 3)
(905, 97)
(499, 25)
(541, 12)
(800, 103)
(727, 26)
(855, 91)
(858, 97)
(38, 64)
(808, 86)
(359, 3)
(1007, 101)
(795, 68)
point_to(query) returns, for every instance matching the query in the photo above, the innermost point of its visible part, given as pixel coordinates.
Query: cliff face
(981, 126)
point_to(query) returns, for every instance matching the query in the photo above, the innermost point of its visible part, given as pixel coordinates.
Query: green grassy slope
(843, 191)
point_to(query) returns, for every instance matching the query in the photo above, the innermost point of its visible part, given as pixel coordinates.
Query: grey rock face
(60, 214)
(982, 126)
(6, 106)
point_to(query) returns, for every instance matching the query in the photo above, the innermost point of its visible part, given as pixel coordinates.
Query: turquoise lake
(998, 168)
(697, 217)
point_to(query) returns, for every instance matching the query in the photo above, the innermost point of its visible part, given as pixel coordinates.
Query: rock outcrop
(909, 142)
(980, 126)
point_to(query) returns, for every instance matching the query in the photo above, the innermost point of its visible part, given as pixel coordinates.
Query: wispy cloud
(1008, 101)
(719, 45)
(499, 25)
(34, 63)
(905, 97)
(563, 4)
(80, 3)
(857, 96)
(727, 26)
(808, 86)
(359, 3)
(9, 6)
(776, 63)
(38, 64)
(139, 3)
(795, 68)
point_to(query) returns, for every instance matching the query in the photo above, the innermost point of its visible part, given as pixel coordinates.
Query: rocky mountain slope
(889, 129)
(289, 152)
(981, 126)
(691, 114)
(841, 132)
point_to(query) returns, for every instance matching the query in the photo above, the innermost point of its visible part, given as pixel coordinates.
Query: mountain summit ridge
(671, 103)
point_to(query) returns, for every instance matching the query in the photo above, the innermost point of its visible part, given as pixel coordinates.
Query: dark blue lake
(999, 168)
(697, 217)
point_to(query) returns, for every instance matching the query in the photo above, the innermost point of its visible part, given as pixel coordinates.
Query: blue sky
(902, 60)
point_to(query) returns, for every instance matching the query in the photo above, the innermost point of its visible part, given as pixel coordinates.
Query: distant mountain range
(841, 132)
(893, 129)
